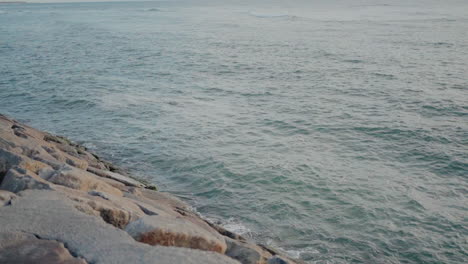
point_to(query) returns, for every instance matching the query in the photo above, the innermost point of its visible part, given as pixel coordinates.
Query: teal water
(335, 130)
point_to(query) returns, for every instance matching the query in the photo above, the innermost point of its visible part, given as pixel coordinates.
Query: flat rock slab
(50, 215)
(117, 177)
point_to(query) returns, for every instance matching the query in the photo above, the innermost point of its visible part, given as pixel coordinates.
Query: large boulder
(178, 232)
(80, 180)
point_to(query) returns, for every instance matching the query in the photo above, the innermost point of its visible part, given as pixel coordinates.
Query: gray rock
(52, 216)
(278, 260)
(115, 210)
(172, 231)
(116, 176)
(81, 180)
(10, 159)
(6, 197)
(243, 252)
(18, 179)
(99, 194)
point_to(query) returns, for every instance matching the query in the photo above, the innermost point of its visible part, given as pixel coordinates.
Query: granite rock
(177, 232)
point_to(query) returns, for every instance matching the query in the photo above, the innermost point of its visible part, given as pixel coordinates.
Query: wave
(271, 15)
(237, 227)
(152, 10)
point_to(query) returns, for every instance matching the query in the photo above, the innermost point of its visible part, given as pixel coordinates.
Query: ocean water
(334, 130)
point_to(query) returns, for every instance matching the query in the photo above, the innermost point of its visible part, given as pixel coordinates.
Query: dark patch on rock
(19, 134)
(244, 253)
(146, 210)
(15, 126)
(2, 175)
(116, 218)
(277, 260)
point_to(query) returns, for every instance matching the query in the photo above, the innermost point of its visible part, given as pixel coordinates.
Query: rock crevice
(73, 254)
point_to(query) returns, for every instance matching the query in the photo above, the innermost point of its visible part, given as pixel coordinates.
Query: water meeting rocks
(59, 203)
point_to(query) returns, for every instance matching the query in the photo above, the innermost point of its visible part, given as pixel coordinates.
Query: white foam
(237, 227)
(297, 253)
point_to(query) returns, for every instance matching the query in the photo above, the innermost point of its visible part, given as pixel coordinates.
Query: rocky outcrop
(59, 203)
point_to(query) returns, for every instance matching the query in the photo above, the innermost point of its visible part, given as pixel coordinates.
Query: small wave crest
(152, 10)
(235, 226)
(271, 15)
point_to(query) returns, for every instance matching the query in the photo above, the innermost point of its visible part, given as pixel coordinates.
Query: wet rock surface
(60, 203)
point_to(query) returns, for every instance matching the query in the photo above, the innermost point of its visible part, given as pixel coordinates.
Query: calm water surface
(335, 130)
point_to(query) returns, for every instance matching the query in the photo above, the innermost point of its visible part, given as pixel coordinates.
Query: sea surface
(334, 130)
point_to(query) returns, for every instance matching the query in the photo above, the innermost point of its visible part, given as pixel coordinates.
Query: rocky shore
(60, 203)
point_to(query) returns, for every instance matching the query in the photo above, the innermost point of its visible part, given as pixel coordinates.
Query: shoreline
(68, 205)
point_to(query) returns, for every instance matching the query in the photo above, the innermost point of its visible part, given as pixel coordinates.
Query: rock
(114, 216)
(63, 157)
(225, 232)
(116, 176)
(160, 200)
(18, 179)
(164, 198)
(12, 237)
(52, 216)
(114, 183)
(243, 252)
(6, 197)
(278, 260)
(29, 249)
(81, 180)
(178, 232)
(118, 214)
(99, 194)
(171, 205)
(115, 210)
(60, 203)
(10, 159)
